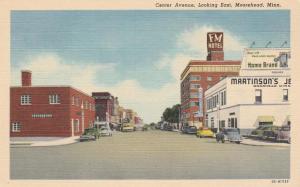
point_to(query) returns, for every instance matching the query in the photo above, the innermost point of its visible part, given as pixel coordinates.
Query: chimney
(26, 78)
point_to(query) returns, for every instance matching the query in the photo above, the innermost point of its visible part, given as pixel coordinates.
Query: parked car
(270, 133)
(283, 134)
(90, 134)
(105, 132)
(258, 132)
(189, 130)
(127, 127)
(204, 132)
(229, 134)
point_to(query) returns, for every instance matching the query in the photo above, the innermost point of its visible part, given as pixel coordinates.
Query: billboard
(266, 58)
(215, 41)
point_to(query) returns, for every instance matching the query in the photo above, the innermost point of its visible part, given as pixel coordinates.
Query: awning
(266, 118)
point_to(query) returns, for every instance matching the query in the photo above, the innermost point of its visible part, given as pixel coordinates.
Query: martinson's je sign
(215, 41)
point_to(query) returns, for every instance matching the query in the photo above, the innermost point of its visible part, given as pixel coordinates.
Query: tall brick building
(204, 74)
(58, 111)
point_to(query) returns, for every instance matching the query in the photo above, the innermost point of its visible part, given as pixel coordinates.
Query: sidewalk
(41, 141)
(247, 141)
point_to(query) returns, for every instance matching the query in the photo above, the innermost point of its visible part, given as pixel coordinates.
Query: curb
(265, 144)
(43, 143)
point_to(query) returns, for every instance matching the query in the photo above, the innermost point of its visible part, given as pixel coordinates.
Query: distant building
(57, 111)
(104, 103)
(204, 74)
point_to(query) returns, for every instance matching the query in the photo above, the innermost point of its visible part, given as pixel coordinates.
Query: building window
(25, 99)
(209, 78)
(194, 95)
(194, 86)
(212, 124)
(195, 78)
(86, 105)
(73, 100)
(285, 95)
(15, 127)
(54, 99)
(221, 78)
(76, 125)
(258, 96)
(224, 95)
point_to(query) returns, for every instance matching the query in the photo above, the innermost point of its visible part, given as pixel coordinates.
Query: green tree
(171, 115)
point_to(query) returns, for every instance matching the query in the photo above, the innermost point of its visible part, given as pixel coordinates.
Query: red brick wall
(60, 122)
(204, 84)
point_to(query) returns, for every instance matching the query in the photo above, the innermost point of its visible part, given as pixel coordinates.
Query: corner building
(258, 96)
(204, 74)
(53, 111)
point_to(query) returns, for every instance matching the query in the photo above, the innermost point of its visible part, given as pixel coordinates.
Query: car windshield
(192, 127)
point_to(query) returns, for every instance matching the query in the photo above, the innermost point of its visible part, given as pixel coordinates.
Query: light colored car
(127, 127)
(205, 132)
(105, 132)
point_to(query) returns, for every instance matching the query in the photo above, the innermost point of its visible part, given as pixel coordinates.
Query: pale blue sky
(133, 41)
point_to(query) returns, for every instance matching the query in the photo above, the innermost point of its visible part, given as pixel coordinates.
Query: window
(212, 124)
(224, 95)
(86, 105)
(222, 78)
(209, 78)
(25, 99)
(15, 127)
(195, 78)
(54, 99)
(258, 96)
(195, 86)
(194, 95)
(285, 95)
(73, 100)
(76, 125)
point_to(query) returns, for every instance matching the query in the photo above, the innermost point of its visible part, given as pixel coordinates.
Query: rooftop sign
(215, 41)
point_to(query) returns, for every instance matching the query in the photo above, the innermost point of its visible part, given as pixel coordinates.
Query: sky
(136, 55)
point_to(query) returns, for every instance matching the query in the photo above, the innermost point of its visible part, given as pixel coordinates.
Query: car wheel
(238, 142)
(200, 136)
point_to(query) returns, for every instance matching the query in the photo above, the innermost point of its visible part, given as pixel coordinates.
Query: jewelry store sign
(281, 82)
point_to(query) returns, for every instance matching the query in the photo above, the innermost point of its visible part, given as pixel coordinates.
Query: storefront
(259, 96)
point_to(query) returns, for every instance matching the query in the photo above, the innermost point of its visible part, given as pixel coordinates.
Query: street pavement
(150, 155)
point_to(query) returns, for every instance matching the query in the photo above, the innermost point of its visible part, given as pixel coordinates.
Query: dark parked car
(283, 134)
(189, 130)
(278, 134)
(229, 134)
(264, 132)
(90, 134)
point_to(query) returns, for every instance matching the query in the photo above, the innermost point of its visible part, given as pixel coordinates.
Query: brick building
(106, 107)
(204, 74)
(57, 111)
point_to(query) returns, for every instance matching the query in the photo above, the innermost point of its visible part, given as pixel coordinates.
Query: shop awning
(266, 118)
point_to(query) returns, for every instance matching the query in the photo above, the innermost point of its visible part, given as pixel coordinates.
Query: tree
(171, 115)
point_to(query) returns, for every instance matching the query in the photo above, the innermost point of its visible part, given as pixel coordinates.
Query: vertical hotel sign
(200, 112)
(215, 41)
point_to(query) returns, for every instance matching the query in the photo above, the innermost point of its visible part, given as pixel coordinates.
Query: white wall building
(260, 95)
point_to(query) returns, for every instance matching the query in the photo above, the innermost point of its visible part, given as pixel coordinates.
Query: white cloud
(50, 69)
(194, 39)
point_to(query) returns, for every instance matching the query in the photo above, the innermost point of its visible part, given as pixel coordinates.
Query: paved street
(150, 155)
